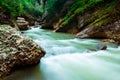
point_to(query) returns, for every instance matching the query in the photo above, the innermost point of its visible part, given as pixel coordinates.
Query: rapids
(68, 58)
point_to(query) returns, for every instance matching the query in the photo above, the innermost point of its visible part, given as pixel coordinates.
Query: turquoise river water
(68, 58)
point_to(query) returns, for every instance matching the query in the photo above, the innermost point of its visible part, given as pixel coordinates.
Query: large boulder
(110, 31)
(16, 51)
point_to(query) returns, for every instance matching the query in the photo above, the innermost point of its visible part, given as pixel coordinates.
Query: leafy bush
(14, 8)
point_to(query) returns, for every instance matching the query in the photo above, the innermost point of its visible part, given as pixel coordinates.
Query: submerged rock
(101, 46)
(16, 51)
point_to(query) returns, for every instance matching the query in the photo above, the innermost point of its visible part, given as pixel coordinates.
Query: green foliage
(108, 12)
(77, 8)
(21, 9)
(54, 6)
(14, 8)
(50, 5)
(104, 15)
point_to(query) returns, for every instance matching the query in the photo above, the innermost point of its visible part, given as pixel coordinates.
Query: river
(68, 58)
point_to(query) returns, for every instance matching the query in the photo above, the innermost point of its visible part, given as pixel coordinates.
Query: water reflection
(29, 73)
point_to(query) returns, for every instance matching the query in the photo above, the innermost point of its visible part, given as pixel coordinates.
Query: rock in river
(16, 51)
(22, 23)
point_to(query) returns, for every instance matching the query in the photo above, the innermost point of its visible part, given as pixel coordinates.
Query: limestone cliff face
(86, 18)
(16, 51)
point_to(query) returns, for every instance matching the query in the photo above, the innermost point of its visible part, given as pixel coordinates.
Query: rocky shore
(16, 51)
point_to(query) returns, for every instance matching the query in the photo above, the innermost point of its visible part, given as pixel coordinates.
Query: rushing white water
(70, 59)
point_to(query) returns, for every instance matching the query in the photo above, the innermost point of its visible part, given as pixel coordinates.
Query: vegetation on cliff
(78, 8)
(93, 18)
(14, 8)
(102, 11)
(10, 9)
